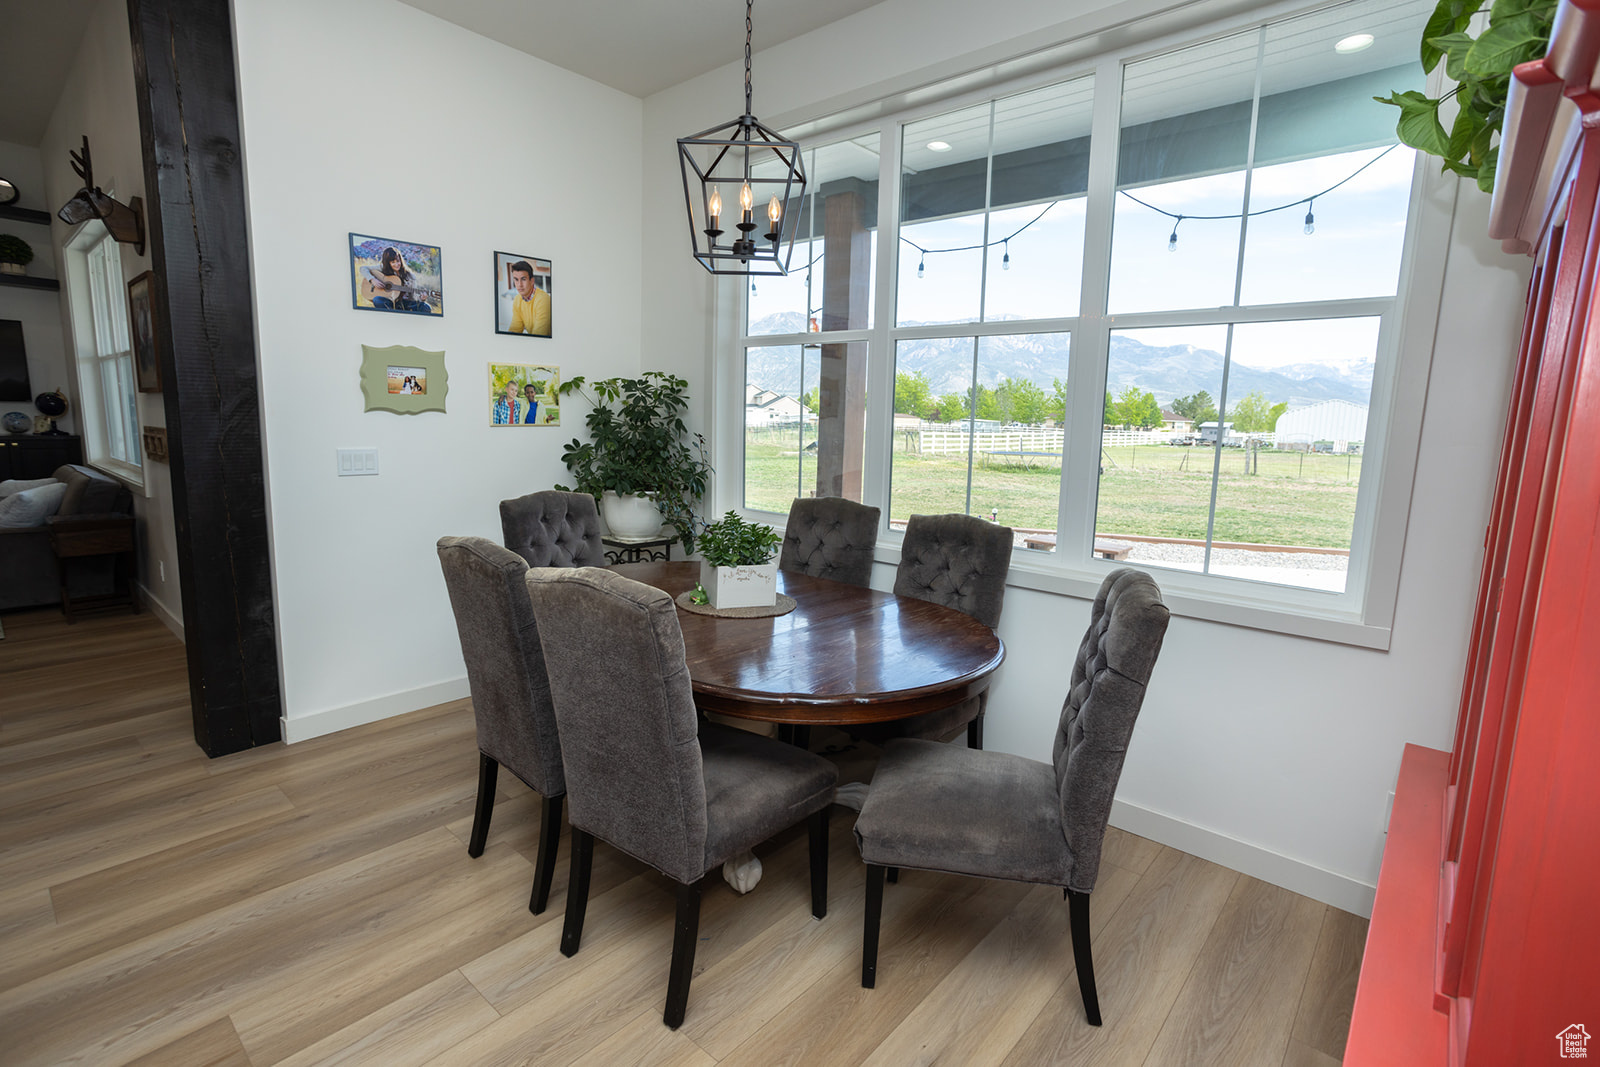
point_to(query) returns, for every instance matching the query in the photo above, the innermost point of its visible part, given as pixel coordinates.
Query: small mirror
(8, 192)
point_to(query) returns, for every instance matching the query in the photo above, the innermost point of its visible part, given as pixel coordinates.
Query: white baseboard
(168, 617)
(305, 727)
(1297, 876)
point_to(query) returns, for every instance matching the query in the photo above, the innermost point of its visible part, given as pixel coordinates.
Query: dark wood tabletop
(844, 655)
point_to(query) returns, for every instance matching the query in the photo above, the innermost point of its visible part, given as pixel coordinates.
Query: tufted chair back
(1126, 627)
(959, 561)
(553, 529)
(505, 664)
(830, 537)
(629, 730)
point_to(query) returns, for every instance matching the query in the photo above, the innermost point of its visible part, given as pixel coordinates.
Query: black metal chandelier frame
(735, 149)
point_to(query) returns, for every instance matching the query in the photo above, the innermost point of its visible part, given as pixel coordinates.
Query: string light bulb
(1172, 242)
(1311, 220)
(1005, 262)
(921, 265)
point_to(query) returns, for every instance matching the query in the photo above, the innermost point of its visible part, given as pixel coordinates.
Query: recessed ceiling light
(1356, 42)
(938, 146)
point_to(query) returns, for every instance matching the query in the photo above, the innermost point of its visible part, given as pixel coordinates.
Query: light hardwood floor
(315, 904)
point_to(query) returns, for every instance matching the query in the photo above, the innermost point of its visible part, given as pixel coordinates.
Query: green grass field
(1291, 498)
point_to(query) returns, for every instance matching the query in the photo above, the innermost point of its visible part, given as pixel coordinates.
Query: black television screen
(13, 362)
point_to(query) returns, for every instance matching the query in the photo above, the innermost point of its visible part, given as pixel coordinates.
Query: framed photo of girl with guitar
(388, 275)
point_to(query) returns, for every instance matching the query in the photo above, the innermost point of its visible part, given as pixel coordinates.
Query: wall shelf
(23, 281)
(24, 214)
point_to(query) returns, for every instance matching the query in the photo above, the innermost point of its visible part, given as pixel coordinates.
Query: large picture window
(1150, 309)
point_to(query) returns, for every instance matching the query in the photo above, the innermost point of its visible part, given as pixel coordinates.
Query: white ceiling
(639, 46)
(38, 42)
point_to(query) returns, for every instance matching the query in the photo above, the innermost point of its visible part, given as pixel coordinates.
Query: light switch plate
(357, 461)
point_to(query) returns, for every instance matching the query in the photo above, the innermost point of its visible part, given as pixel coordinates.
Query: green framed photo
(403, 379)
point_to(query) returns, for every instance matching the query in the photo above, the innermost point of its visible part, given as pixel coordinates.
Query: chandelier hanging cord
(749, 25)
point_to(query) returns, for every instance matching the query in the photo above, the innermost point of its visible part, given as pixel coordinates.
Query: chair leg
(894, 875)
(577, 891)
(819, 863)
(685, 933)
(869, 926)
(1082, 954)
(975, 727)
(549, 841)
(488, 772)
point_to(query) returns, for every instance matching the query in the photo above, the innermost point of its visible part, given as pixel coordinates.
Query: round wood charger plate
(784, 605)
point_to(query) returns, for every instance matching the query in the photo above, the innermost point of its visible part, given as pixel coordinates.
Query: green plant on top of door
(15, 254)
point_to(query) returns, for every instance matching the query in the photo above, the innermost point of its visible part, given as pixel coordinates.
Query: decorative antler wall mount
(125, 222)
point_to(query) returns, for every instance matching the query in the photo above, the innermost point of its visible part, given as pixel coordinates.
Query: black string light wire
(1172, 239)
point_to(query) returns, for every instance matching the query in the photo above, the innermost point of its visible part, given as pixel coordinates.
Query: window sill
(1230, 601)
(126, 473)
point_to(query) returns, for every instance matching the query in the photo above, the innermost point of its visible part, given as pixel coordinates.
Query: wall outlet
(357, 461)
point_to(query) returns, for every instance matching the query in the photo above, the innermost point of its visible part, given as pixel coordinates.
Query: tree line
(1026, 402)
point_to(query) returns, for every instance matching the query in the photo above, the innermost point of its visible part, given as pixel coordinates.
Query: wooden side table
(656, 549)
(96, 535)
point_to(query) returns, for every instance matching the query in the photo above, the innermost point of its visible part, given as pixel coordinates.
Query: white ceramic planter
(13, 268)
(740, 587)
(633, 517)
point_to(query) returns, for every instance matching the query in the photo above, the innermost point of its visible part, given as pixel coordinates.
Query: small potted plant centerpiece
(640, 463)
(739, 568)
(15, 254)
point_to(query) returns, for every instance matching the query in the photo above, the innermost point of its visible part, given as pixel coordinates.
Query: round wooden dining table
(845, 655)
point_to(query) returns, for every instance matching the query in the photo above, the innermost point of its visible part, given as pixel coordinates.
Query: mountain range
(1169, 372)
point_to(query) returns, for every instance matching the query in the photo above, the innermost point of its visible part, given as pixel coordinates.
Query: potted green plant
(738, 568)
(640, 463)
(15, 254)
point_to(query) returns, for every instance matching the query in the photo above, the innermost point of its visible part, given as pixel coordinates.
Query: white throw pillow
(32, 506)
(13, 486)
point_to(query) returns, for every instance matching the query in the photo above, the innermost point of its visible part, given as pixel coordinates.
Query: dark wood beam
(842, 392)
(194, 192)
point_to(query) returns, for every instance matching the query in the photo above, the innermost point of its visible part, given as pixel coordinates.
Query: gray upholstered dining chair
(830, 537)
(553, 529)
(643, 773)
(994, 815)
(510, 693)
(960, 561)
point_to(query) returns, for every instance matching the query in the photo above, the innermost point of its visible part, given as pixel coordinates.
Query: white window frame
(88, 328)
(1363, 615)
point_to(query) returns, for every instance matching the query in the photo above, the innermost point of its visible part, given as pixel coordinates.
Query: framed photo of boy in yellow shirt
(522, 295)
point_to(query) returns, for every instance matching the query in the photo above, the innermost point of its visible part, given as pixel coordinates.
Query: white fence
(939, 439)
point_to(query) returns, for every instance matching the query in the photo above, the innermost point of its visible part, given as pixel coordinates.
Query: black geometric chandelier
(734, 168)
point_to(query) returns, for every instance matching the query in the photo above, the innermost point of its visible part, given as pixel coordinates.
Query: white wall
(97, 100)
(370, 116)
(1269, 753)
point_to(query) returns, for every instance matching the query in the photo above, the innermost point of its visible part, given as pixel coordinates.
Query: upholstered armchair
(830, 537)
(553, 529)
(510, 692)
(994, 815)
(643, 774)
